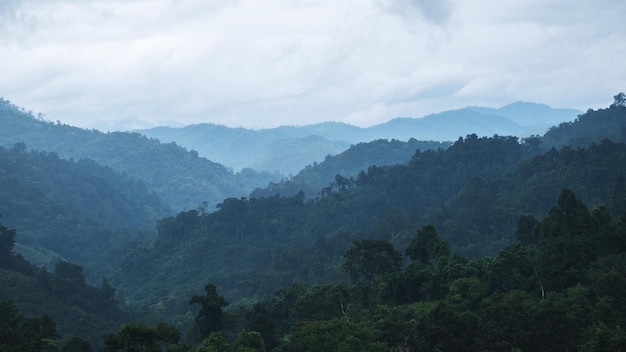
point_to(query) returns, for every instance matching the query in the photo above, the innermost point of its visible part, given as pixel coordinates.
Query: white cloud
(265, 63)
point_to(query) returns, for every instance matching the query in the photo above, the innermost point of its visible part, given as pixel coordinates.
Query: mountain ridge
(240, 147)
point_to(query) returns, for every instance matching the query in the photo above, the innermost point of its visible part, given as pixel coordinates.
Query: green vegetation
(66, 304)
(491, 244)
(563, 293)
(181, 178)
(73, 210)
(350, 163)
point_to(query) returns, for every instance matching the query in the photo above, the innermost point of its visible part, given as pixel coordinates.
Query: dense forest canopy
(180, 177)
(492, 243)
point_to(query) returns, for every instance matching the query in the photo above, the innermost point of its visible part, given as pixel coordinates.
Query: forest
(484, 244)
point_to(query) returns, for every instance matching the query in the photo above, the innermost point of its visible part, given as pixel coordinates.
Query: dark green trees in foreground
(210, 318)
(562, 289)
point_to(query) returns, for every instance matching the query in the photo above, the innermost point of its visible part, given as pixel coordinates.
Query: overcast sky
(264, 63)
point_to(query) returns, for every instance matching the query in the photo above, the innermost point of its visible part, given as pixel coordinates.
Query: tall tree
(426, 246)
(210, 318)
(368, 259)
(7, 240)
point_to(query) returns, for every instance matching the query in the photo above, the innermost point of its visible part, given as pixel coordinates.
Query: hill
(531, 114)
(591, 127)
(348, 164)
(300, 146)
(474, 192)
(69, 307)
(74, 210)
(181, 178)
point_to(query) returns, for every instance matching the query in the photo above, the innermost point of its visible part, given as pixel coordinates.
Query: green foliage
(77, 210)
(333, 335)
(323, 303)
(566, 276)
(215, 342)
(210, 317)
(178, 176)
(135, 337)
(76, 344)
(25, 334)
(590, 127)
(7, 240)
(77, 308)
(248, 341)
(350, 165)
(426, 246)
(370, 258)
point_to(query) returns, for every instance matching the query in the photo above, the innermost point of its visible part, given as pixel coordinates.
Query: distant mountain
(531, 114)
(448, 126)
(285, 150)
(299, 146)
(180, 177)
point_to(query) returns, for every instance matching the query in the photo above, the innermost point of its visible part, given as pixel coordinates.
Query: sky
(126, 64)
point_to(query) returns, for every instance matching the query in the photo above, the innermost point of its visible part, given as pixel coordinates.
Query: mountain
(531, 114)
(299, 146)
(588, 128)
(73, 210)
(473, 192)
(285, 150)
(69, 306)
(181, 178)
(448, 126)
(456, 212)
(348, 164)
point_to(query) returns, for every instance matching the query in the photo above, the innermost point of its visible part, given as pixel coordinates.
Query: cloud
(265, 63)
(433, 11)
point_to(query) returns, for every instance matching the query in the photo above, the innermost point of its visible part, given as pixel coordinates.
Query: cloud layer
(258, 63)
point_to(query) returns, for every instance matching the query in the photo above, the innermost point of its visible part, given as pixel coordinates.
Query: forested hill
(501, 252)
(314, 177)
(181, 178)
(287, 149)
(590, 127)
(72, 209)
(473, 192)
(57, 303)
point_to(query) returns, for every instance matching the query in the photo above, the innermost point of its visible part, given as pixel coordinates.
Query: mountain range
(94, 198)
(288, 149)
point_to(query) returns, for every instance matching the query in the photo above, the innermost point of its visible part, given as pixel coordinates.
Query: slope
(61, 296)
(73, 209)
(348, 164)
(180, 177)
(474, 192)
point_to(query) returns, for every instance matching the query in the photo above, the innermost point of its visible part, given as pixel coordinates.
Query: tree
(135, 337)
(568, 242)
(248, 341)
(527, 230)
(619, 100)
(7, 240)
(106, 292)
(76, 344)
(18, 333)
(333, 335)
(69, 271)
(210, 318)
(370, 258)
(426, 246)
